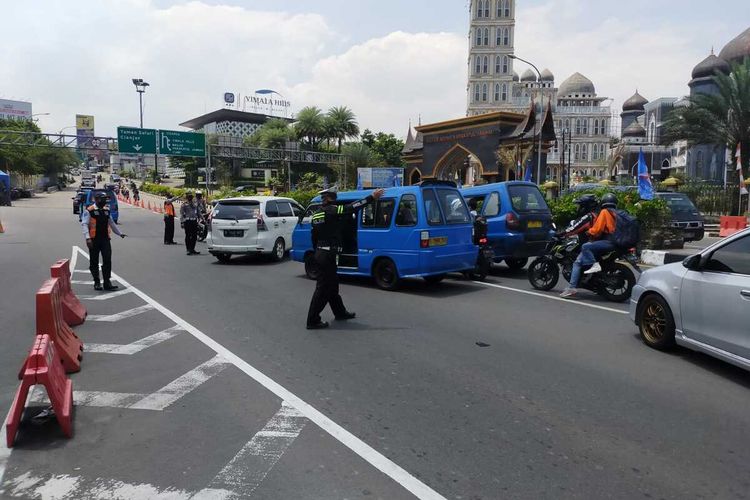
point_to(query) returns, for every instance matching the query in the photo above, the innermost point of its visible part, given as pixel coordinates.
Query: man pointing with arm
(97, 225)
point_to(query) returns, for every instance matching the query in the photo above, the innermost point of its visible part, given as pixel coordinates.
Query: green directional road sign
(136, 140)
(175, 143)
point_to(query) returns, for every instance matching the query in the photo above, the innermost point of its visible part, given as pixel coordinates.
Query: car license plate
(234, 233)
(438, 241)
(534, 224)
(688, 234)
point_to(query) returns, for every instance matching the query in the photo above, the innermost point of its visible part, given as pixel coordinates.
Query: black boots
(109, 286)
(98, 285)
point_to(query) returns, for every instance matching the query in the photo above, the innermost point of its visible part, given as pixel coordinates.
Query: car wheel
(311, 267)
(279, 250)
(386, 275)
(434, 279)
(224, 258)
(656, 323)
(516, 264)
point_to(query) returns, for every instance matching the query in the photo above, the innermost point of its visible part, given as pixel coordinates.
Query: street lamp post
(140, 87)
(541, 107)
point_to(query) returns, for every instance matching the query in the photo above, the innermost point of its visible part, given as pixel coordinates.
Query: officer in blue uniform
(326, 240)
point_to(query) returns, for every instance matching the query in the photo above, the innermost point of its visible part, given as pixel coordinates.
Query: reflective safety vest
(168, 208)
(97, 214)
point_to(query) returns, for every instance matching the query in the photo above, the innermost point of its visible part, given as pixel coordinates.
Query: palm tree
(343, 124)
(723, 118)
(310, 125)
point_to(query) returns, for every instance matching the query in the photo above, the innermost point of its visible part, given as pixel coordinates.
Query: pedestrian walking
(136, 195)
(97, 225)
(189, 222)
(169, 215)
(326, 239)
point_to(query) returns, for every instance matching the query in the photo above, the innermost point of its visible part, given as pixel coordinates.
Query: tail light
(424, 239)
(482, 241)
(262, 224)
(511, 221)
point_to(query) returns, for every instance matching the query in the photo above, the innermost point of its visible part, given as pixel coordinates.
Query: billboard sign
(379, 177)
(84, 131)
(14, 110)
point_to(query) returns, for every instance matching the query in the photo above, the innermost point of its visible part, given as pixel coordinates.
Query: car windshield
(678, 202)
(527, 199)
(236, 210)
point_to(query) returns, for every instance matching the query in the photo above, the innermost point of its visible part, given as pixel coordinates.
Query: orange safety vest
(95, 213)
(168, 208)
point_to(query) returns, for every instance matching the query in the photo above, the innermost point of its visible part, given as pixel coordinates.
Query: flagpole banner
(645, 188)
(738, 155)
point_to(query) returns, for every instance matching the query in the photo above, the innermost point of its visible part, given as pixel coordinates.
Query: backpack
(627, 230)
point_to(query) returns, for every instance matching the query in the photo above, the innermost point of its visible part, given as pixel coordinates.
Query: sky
(390, 61)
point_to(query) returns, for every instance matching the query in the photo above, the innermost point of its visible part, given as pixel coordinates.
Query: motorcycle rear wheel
(543, 273)
(617, 283)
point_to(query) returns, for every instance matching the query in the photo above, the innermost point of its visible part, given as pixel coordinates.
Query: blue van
(412, 231)
(519, 222)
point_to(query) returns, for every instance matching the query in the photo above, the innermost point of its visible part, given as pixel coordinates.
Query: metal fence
(713, 199)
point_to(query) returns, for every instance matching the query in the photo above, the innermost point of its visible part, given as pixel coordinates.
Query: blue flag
(645, 188)
(359, 181)
(527, 173)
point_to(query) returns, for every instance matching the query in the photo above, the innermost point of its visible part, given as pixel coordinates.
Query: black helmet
(586, 204)
(609, 200)
(100, 196)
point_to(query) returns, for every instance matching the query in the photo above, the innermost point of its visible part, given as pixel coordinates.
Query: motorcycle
(614, 282)
(486, 254)
(202, 228)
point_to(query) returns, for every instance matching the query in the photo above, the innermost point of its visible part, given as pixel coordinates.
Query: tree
(310, 126)
(341, 124)
(20, 159)
(386, 147)
(358, 155)
(723, 118)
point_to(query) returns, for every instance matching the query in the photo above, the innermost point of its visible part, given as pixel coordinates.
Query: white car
(702, 303)
(252, 225)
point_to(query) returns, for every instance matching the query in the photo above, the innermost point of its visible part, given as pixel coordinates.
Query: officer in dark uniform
(97, 224)
(326, 239)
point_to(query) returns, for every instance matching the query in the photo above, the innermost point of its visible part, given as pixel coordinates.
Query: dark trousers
(103, 246)
(169, 229)
(326, 289)
(191, 234)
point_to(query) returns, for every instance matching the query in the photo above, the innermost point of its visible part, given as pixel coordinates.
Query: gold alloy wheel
(654, 322)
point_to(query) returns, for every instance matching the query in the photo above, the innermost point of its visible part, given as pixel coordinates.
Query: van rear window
(454, 207)
(527, 199)
(239, 210)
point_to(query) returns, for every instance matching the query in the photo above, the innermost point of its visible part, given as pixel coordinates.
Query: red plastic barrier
(50, 321)
(731, 225)
(74, 312)
(43, 366)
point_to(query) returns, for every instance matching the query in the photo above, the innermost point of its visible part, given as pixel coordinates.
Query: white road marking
(111, 318)
(138, 345)
(254, 461)
(82, 271)
(367, 452)
(552, 297)
(101, 399)
(4, 452)
(82, 282)
(182, 385)
(106, 296)
(55, 487)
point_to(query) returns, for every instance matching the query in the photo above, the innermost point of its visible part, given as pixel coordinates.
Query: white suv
(252, 225)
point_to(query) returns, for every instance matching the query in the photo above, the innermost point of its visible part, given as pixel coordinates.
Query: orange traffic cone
(2, 229)
(149, 206)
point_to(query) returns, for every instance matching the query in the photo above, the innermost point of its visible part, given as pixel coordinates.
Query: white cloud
(392, 79)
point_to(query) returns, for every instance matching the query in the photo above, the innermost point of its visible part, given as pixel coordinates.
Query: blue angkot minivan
(422, 231)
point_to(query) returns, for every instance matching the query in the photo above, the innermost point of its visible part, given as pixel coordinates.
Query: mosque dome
(547, 75)
(736, 50)
(528, 76)
(710, 66)
(635, 129)
(576, 84)
(635, 103)
(516, 77)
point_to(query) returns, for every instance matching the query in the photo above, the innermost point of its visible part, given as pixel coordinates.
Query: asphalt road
(463, 390)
